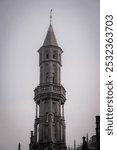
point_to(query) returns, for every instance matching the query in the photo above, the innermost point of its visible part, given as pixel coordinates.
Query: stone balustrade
(50, 88)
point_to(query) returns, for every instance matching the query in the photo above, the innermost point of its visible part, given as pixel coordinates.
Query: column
(63, 111)
(36, 116)
(64, 133)
(59, 108)
(35, 131)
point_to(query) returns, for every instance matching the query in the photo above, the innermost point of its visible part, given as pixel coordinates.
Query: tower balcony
(53, 89)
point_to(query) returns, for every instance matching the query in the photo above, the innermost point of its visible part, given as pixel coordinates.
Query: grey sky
(23, 27)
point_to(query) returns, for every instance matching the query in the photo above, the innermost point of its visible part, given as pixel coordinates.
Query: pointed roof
(50, 37)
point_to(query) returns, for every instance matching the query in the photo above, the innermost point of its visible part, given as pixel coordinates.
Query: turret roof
(50, 37)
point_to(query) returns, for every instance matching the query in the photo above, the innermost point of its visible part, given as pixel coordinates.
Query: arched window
(53, 77)
(46, 117)
(55, 55)
(47, 56)
(53, 117)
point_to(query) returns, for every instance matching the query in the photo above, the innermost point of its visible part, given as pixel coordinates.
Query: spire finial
(50, 16)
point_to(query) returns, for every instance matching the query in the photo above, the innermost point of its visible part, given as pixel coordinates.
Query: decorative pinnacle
(19, 146)
(50, 16)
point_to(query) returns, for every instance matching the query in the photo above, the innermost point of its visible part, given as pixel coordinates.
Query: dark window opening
(53, 77)
(54, 56)
(47, 56)
(46, 117)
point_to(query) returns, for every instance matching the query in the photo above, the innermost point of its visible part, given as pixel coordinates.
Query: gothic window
(53, 77)
(46, 117)
(54, 54)
(47, 54)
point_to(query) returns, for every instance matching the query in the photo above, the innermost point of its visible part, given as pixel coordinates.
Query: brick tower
(49, 96)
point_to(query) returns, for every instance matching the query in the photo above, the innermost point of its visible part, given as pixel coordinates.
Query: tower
(49, 96)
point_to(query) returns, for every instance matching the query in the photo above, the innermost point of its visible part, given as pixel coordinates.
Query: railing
(49, 88)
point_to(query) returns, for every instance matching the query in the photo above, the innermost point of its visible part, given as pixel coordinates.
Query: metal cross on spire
(50, 16)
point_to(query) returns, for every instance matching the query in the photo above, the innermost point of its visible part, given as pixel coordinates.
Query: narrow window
(53, 77)
(54, 56)
(47, 56)
(46, 117)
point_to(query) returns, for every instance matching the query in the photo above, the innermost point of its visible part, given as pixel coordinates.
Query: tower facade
(49, 96)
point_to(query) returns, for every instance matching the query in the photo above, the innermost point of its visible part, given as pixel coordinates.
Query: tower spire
(50, 16)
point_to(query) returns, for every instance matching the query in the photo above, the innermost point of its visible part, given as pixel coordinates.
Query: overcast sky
(23, 27)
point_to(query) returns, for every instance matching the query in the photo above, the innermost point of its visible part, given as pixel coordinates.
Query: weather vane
(50, 16)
